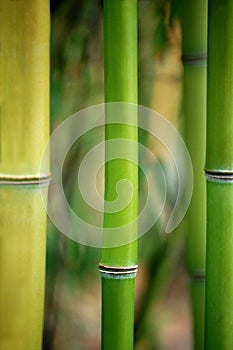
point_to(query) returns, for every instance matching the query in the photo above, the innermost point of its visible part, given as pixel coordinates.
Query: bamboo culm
(120, 76)
(194, 56)
(219, 175)
(24, 108)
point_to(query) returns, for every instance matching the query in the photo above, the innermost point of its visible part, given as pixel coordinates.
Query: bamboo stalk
(22, 267)
(120, 65)
(24, 102)
(24, 79)
(194, 46)
(219, 174)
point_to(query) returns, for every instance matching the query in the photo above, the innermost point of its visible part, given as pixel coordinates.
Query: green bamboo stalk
(24, 106)
(219, 174)
(194, 46)
(120, 66)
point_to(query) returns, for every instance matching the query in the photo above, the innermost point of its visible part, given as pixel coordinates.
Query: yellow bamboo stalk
(24, 86)
(24, 132)
(22, 266)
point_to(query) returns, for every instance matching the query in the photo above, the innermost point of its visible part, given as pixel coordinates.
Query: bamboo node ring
(118, 271)
(24, 180)
(194, 59)
(219, 176)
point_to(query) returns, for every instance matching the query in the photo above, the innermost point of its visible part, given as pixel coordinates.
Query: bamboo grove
(207, 57)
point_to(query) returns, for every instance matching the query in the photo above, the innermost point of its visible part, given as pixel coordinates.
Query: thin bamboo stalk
(24, 102)
(120, 65)
(194, 46)
(219, 174)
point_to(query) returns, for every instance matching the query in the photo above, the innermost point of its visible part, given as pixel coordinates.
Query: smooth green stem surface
(194, 47)
(220, 87)
(219, 279)
(195, 119)
(120, 76)
(194, 24)
(197, 294)
(118, 313)
(120, 73)
(194, 19)
(120, 50)
(120, 67)
(194, 104)
(219, 164)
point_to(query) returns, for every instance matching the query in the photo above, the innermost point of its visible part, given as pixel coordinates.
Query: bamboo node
(198, 277)
(118, 272)
(219, 176)
(194, 59)
(24, 179)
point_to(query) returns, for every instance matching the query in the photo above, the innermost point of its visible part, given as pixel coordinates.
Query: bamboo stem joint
(219, 176)
(118, 272)
(194, 59)
(24, 180)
